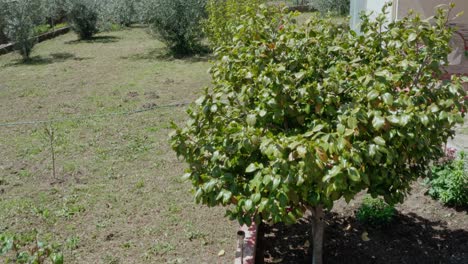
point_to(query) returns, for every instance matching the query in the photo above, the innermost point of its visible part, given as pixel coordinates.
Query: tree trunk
(318, 226)
(260, 251)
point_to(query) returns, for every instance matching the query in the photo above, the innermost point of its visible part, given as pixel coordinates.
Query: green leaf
(214, 108)
(267, 179)
(412, 37)
(291, 217)
(394, 120)
(301, 151)
(424, 120)
(352, 122)
(378, 122)
(384, 73)
(372, 95)
(262, 205)
(251, 120)
(379, 141)
(443, 115)
(200, 100)
(300, 180)
(434, 108)
(276, 183)
(248, 205)
(186, 176)
(209, 186)
(252, 167)
(299, 75)
(334, 48)
(404, 120)
(388, 99)
(340, 129)
(317, 128)
(332, 173)
(353, 174)
(226, 196)
(256, 197)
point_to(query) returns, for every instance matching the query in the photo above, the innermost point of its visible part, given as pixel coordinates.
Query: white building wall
(427, 8)
(372, 7)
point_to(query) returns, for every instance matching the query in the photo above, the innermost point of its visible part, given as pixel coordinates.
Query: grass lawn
(118, 197)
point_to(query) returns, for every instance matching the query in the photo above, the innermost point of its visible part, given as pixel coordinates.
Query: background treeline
(181, 24)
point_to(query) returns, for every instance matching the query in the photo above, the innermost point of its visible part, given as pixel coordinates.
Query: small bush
(177, 23)
(449, 182)
(339, 7)
(83, 17)
(375, 211)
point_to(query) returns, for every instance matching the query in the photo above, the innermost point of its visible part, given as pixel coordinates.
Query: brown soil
(423, 231)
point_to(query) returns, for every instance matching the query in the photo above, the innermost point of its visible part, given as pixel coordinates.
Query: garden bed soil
(423, 231)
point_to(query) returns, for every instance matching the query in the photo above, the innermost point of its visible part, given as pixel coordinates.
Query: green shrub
(301, 115)
(18, 249)
(21, 19)
(83, 17)
(178, 24)
(375, 211)
(223, 17)
(449, 182)
(339, 7)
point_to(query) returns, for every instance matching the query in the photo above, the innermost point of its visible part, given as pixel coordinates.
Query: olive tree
(340, 7)
(124, 12)
(300, 116)
(3, 9)
(53, 10)
(21, 18)
(178, 24)
(83, 17)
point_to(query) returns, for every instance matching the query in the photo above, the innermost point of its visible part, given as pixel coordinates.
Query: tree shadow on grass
(95, 39)
(409, 239)
(163, 54)
(40, 60)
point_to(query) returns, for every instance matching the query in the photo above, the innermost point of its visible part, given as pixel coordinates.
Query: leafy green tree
(178, 24)
(83, 17)
(300, 116)
(21, 18)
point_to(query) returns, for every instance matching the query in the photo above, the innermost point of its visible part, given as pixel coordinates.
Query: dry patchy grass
(118, 197)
